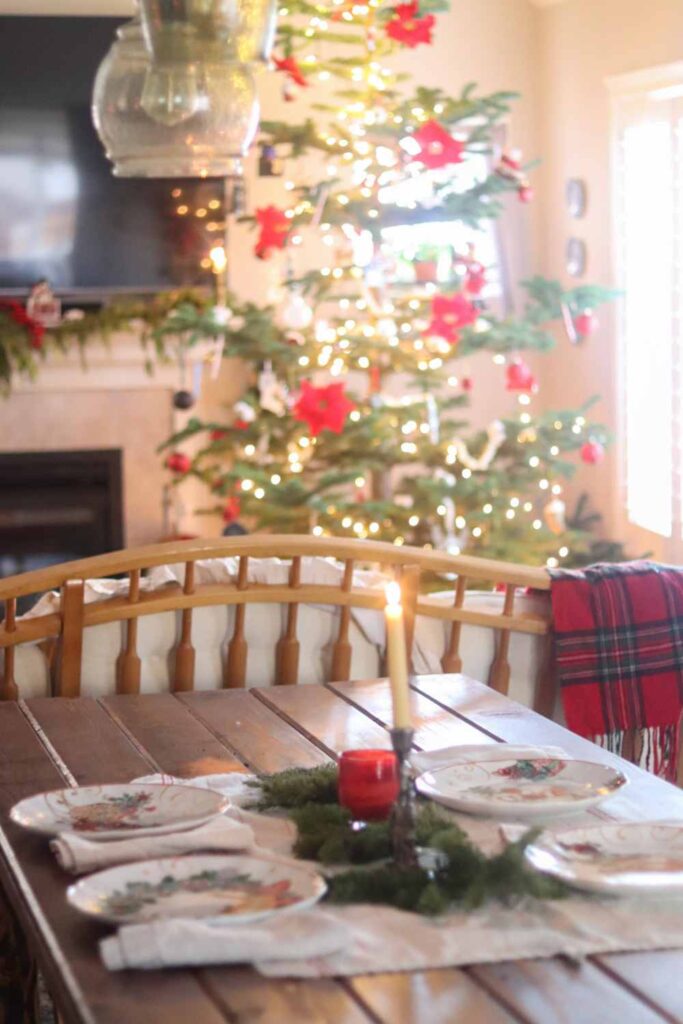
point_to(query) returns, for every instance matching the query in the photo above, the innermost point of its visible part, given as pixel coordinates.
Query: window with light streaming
(648, 169)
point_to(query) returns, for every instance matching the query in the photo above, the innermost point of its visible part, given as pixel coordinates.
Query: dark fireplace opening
(58, 506)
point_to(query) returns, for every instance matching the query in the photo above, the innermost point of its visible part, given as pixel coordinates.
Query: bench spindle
(451, 661)
(235, 674)
(287, 652)
(128, 661)
(499, 676)
(341, 652)
(8, 686)
(71, 643)
(185, 654)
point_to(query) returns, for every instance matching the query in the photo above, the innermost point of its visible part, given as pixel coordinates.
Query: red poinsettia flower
(290, 66)
(518, 377)
(323, 408)
(450, 313)
(407, 26)
(274, 227)
(437, 146)
(178, 462)
(18, 313)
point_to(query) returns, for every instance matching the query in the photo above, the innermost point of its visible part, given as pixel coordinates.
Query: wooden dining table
(48, 743)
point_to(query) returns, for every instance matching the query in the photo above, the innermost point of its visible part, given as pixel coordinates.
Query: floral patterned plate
(638, 857)
(222, 887)
(521, 789)
(117, 811)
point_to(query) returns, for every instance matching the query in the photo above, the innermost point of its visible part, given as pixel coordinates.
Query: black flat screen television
(63, 215)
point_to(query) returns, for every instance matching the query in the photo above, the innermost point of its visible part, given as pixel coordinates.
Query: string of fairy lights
(368, 326)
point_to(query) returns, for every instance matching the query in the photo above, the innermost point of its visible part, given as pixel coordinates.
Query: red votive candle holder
(368, 783)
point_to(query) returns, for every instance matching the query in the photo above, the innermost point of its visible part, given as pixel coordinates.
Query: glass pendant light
(175, 95)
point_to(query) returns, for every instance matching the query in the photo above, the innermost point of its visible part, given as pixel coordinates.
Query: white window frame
(637, 96)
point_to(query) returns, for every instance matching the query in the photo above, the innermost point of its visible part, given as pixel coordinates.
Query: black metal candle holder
(402, 822)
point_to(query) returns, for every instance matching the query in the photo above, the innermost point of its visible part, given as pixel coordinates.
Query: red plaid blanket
(619, 655)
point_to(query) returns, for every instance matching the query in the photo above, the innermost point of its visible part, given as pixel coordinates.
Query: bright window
(648, 188)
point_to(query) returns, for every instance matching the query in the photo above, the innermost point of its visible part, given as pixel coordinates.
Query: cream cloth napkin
(221, 834)
(176, 942)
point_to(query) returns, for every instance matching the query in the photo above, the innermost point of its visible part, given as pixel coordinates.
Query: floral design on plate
(540, 768)
(118, 812)
(234, 893)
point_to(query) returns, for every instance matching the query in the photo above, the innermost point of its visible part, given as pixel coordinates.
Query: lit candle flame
(219, 259)
(393, 594)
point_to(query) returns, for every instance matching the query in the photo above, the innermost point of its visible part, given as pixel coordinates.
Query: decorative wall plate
(221, 887)
(117, 811)
(576, 195)
(576, 257)
(629, 858)
(521, 789)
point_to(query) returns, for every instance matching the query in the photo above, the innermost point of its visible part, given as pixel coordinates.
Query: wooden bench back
(409, 565)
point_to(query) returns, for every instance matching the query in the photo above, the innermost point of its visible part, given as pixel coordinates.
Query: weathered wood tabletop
(49, 742)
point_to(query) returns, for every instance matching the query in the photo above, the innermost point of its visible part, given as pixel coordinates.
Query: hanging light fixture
(175, 95)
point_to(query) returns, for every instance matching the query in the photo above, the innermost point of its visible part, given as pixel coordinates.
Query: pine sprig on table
(468, 877)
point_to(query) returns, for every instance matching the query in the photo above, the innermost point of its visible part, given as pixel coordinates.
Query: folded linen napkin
(429, 760)
(221, 834)
(176, 942)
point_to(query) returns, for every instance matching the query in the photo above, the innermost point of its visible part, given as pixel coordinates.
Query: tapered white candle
(397, 657)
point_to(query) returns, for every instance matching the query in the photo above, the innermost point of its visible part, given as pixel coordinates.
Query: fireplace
(56, 506)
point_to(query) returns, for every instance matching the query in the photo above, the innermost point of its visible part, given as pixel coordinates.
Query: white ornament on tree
(295, 313)
(272, 392)
(495, 438)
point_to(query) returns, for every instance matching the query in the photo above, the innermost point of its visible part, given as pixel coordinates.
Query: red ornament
(178, 462)
(34, 328)
(525, 193)
(518, 377)
(467, 383)
(586, 323)
(324, 408)
(218, 435)
(375, 374)
(231, 510)
(450, 313)
(274, 227)
(408, 27)
(290, 66)
(437, 146)
(592, 452)
(240, 424)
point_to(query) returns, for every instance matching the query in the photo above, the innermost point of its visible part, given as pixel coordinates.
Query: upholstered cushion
(317, 629)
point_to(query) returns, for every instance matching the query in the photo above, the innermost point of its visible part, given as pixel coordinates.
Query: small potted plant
(425, 262)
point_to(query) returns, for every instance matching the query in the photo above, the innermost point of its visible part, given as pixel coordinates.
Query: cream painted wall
(582, 42)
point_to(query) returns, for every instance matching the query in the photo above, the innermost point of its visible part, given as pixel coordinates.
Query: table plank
(325, 718)
(81, 732)
(65, 941)
(435, 726)
(557, 990)
(651, 974)
(429, 997)
(260, 737)
(171, 736)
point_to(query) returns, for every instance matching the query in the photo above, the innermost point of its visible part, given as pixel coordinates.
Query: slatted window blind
(648, 192)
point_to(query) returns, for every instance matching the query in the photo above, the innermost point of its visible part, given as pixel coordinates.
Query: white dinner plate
(118, 811)
(636, 858)
(222, 887)
(522, 788)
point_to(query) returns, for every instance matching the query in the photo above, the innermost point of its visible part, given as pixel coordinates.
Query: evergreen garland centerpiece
(462, 876)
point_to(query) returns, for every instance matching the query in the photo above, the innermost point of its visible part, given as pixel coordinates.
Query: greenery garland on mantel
(467, 879)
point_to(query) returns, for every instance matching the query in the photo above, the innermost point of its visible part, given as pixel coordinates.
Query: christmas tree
(356, 423)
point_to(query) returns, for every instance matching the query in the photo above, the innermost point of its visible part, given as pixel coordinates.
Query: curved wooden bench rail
(65, 628)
